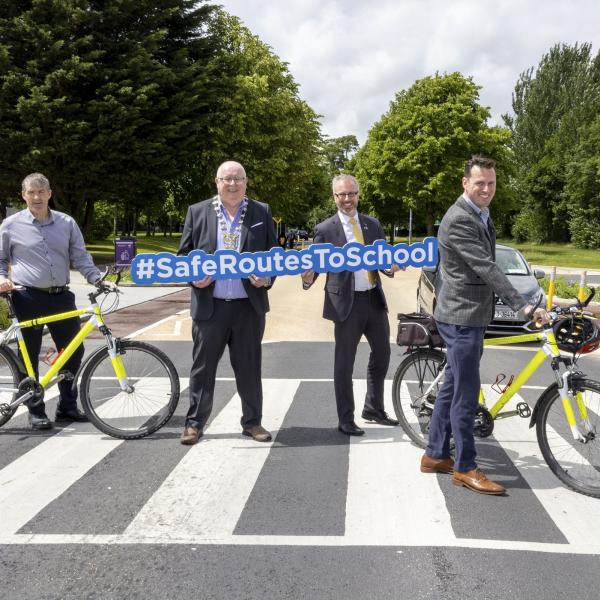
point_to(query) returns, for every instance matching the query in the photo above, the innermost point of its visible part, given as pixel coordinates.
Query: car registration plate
(508, 315)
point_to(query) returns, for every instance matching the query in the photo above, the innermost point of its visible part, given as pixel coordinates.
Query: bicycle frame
(549, 349)
(95, 320)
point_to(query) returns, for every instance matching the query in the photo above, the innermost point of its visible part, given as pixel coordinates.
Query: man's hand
(308, 277)
(5, 285)
(111, 285)
(540, 315)
(202, 283)
(393, 269)
(259, 282)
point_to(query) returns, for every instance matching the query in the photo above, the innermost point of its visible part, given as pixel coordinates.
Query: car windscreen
(511, 262)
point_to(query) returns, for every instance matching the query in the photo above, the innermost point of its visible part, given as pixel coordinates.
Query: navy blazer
(200, 233)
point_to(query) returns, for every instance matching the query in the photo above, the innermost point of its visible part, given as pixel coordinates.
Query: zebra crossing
(310, 486)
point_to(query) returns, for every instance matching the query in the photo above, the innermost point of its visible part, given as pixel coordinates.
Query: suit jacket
(468, 275)
(200, 233)
(339, 287)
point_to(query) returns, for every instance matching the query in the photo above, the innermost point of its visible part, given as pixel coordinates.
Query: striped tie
(358, 236)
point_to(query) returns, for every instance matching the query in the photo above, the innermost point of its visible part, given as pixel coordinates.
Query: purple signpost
(124, 251)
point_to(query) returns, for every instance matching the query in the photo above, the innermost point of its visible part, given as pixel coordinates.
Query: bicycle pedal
(65, 376)
(523, 410)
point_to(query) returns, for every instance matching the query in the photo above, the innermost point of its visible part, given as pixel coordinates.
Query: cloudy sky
(351, 57)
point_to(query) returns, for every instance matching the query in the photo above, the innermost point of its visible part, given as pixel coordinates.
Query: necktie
(358, 236)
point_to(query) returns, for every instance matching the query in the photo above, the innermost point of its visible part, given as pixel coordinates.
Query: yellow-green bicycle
(566, 415)
(128, 389)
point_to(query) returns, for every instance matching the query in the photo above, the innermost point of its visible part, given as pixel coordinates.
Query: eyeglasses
(342, 195)
(230, 179)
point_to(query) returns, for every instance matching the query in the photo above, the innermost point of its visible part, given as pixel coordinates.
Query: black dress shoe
(350, 428)
(40, 422)
(380, 418)
(73, 414)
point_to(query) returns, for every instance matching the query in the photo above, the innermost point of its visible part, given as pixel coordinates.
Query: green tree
(109, 98)
(582, 188)
(338, 151)
(550, 106)
(262, 122)
(415, 154)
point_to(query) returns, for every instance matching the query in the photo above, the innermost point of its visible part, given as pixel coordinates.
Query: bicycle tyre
(575, 463)
(135, 414)
(412, 376)
(10, 375)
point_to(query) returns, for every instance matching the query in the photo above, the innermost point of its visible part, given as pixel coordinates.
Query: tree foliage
(414, 155)
(338, 151)
(552, 105)
(262, 122)
(109, 98)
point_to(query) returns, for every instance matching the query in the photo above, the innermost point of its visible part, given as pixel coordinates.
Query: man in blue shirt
(39, 244)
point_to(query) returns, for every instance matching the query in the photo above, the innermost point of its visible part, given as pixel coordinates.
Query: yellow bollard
(582, 281)
(551, 288)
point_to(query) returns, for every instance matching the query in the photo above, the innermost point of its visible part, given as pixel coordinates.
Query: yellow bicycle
(566, 414)
(128, 389)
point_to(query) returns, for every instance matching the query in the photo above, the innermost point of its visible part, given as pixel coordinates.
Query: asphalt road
(312, 515)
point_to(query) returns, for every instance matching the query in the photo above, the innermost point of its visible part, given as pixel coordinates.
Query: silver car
(524, 279)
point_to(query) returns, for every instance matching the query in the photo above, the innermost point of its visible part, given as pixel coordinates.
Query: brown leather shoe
(477, 481)
(436, 465)
(257, 433)
(190, 436)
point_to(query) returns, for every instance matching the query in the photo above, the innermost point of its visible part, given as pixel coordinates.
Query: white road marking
(206, 492)
(574, 514)
(388, 498)
(389, 502)
(36, 478)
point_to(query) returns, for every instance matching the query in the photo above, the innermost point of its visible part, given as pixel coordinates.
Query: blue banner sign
(165, 267)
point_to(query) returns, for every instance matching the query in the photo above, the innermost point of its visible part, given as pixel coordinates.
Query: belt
(230, 299)
(59, 289)
(366, 292)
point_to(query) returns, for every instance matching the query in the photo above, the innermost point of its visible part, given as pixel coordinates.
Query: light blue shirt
(484, 213)
(229, 289)
(41, 253)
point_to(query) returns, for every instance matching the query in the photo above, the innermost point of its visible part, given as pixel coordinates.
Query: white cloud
(350, 58)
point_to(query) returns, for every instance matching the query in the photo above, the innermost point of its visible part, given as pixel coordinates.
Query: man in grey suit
(356, 303)
(466, 281)
(228, 312)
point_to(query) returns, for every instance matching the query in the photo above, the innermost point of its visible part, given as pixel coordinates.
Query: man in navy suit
(466, 281)
(355, 302)
(228, 312)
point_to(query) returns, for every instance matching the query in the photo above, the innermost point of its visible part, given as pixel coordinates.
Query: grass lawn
(550, 255)
(103, 251)
(557, 255)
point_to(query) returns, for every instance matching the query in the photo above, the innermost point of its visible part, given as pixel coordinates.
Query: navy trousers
(30, 304)
(457, 400)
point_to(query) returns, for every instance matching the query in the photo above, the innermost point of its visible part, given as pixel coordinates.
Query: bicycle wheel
(576, 463)
(9, 381)
(414, 392)
(146, 406)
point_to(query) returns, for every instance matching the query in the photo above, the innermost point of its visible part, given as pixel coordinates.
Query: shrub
(584, 226)
(562, 289)
(528, 227)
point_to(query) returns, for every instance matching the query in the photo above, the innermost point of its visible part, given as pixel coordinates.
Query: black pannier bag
(417, 329)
